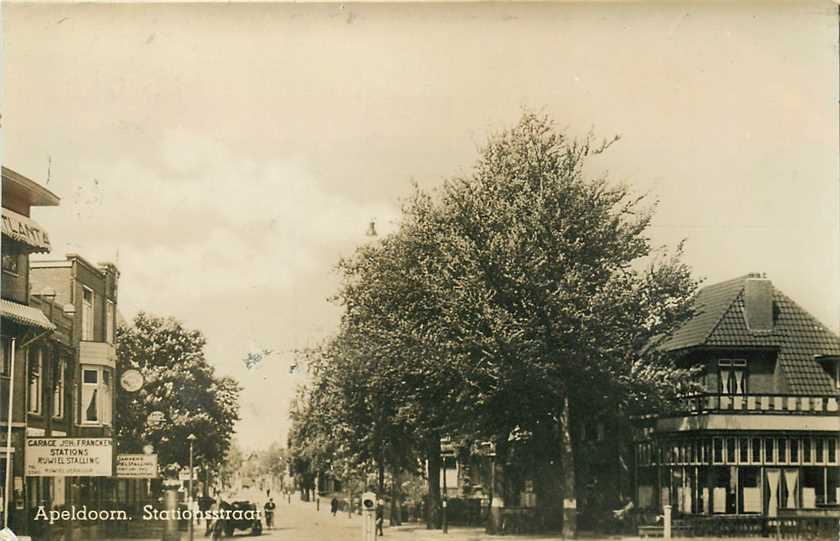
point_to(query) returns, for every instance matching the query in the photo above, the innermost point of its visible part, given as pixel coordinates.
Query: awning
(25, 315)
(26, 230)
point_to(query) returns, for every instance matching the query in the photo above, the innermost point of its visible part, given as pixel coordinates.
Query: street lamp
(191, 438)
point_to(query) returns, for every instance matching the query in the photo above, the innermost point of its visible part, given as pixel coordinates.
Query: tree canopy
(182, 385)
(518, 290)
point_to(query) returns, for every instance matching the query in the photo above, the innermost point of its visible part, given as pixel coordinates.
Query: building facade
(89, 293)
(24, 367)
(760, 439)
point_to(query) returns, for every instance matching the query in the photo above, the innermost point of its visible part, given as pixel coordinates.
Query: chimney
(758, 304)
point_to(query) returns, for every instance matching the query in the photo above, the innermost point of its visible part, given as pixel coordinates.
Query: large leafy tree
(548, 292)
(511, 305)
(182, 385)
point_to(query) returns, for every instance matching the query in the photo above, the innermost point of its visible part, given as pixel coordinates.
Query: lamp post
(9, 438)
(191, 438)
(445, 496)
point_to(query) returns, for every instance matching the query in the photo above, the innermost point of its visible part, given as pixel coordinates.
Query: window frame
(104, 395)
(6, 360)
(35, 382)
(7, 255)
(731, 367)
(837, 374)
(782, 450)
(59, 385)
(769, 442)
(718, 450)
(756, 444)
(88, 315)
(731, 450)
(744, 454)
(110, 320)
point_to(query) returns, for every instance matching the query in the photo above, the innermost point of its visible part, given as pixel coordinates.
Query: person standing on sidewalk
(380, 517)
(269, 513)
(334, 506)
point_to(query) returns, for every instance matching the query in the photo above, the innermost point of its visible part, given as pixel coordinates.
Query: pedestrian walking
(334, 506)
(269, 513)
(216, 525)
(380, 517)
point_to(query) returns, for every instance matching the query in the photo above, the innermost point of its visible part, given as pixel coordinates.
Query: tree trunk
(381, 482)
(497, 486)
(432, 511)
(572, 482)
(549, 475)
(396, 497)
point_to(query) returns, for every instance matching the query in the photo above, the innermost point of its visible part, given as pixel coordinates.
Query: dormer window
(837, 374)
(831, 364)
(732, 376)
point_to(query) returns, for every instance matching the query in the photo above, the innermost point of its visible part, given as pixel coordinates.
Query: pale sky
(226, 156)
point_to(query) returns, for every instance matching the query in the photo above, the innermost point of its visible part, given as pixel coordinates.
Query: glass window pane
(89, 404)
(806, 450)
(730, 450)
(794, 451)
(768, 450)
(756, 451)
(782, 450)
(745, 450)
(90, 376)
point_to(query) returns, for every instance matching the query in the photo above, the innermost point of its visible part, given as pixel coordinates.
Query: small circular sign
(155, 419)
(131, 380)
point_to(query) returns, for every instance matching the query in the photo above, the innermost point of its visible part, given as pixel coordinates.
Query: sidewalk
(418, 532)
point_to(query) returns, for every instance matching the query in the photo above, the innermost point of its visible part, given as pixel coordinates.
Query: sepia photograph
(427, 271)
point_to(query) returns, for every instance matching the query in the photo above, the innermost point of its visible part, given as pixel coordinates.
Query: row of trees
(255, 467)
(182, 386)
(510, 305)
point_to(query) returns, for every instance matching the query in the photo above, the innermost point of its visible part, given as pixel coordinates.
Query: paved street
(300, 521)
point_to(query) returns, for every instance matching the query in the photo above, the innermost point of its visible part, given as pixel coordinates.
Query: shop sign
(24, 230)
(137, 466)
(60, 457)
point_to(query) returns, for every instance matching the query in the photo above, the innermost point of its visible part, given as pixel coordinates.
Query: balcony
(759, 404)
(766, 412)
(97, 353)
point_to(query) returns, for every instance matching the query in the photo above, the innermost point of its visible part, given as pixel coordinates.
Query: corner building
(758, 446)
(23, 330)
(91, 292)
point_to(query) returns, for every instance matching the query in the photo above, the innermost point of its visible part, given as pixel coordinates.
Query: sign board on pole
(60, 457)
(137, 466)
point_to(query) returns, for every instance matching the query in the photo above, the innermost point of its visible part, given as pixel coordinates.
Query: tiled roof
(799, 336)
(711, 304)
(24, 315)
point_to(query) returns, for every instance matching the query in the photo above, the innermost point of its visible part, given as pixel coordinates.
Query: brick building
(90, 292)
(24, 368)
